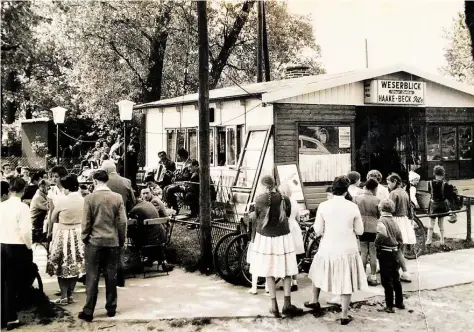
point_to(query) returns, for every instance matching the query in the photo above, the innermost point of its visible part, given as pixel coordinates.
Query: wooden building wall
(287, 117)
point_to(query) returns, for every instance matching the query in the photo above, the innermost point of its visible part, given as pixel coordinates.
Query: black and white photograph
(237, 165)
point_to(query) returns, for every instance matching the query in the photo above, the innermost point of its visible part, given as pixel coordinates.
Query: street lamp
(126, 113)
(58, 117)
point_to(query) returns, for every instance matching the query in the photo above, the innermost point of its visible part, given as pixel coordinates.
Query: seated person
(84, 189)
(191, 189)
(147, 195)
(165, 171)
(148, 235)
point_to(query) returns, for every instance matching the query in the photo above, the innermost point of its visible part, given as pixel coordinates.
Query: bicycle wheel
(247, 276)
(219, 253)
(415, 250)
(233, 254)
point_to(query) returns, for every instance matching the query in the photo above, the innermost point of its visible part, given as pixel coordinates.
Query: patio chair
(145, 249)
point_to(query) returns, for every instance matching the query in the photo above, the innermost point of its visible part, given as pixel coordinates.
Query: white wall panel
(348, 94)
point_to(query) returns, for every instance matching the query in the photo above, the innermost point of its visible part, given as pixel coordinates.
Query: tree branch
(229, 42)
(115, 49)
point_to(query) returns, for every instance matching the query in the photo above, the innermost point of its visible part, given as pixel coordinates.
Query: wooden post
(259, 41)
(204, 162)
(266, 56)
(468, 220)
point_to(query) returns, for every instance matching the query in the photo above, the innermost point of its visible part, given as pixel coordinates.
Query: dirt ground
(448, 309)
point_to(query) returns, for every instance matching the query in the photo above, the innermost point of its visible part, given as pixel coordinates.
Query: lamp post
(126, 113)
(58, 117)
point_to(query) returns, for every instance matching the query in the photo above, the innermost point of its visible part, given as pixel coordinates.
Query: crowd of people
(358, 224)
(86, 227)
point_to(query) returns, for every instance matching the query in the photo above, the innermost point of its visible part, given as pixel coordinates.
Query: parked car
(311, 146)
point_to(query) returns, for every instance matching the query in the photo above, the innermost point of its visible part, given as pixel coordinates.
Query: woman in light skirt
(273, 251)
(66, 259)
(337, 266)
(401, 216)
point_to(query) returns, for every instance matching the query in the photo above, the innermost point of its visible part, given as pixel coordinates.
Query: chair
(144, 249)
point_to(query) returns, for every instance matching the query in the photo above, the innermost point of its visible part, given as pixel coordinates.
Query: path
(190, 295)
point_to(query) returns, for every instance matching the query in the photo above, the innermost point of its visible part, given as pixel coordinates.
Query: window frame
(214, 130)
(438, 126)
(348, 124)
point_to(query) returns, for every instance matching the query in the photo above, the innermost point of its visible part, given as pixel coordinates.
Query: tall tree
(458, 53)
(469, 14)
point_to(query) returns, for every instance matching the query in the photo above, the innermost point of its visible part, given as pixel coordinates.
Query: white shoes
(253, 291)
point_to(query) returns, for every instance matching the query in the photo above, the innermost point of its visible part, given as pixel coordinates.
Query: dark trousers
(192, 200)
(389, 266)
(97, 259)
(17, 261)
(171, 199)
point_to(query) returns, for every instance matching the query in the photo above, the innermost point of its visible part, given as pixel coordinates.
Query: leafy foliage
(458, 53)
(86, 56)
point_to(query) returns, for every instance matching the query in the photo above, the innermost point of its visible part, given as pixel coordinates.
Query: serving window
(324, 151)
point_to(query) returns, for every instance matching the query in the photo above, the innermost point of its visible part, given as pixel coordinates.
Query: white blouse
(338, 221)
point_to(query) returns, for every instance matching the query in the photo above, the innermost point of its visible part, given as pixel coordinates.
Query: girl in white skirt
(295, 229)
(401, 216)
(337, 266)
(273, 250)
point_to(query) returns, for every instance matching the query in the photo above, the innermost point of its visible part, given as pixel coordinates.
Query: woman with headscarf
(337, 266)
(273, 250)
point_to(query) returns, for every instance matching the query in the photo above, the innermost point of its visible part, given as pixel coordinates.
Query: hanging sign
(394, 92)
(344, 137)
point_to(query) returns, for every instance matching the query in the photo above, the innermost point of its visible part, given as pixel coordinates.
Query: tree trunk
(157, 57)
(469, 13)
(204, 158)
(266, 55)
(11, 105)
(259, 42)
(230, 39)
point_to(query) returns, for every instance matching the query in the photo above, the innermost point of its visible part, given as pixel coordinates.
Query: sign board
(289, 174)
(394, 92)
(344, 137)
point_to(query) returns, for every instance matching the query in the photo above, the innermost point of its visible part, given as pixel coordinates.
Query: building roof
(274, 91)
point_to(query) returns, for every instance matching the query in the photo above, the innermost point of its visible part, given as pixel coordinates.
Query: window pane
(231, 147)
(221, 147)
(324, 152)
(448, 143)
(432, 138)
(171, 143)
(192, 143)
(181, 134)
(465, 142)
(211, 146)
(251, 157)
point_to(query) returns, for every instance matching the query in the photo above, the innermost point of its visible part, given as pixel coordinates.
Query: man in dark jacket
(104, 228)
